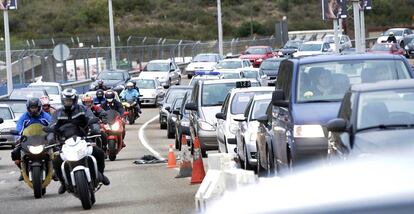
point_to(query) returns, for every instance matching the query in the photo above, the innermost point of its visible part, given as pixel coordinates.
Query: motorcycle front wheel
(131, 117)
(83, 190)
(37, 181)
(112, 150)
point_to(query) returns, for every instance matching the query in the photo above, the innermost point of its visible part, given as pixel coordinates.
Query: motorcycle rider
(391, 38)
(100, 97)
(78, 115)
(112, 103)
(46, 107)
(34, 114)
(99, 86)
(131, 94)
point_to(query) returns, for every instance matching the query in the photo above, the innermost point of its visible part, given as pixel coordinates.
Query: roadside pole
(357, 26)
(220, 28)
(112, 33)
(8, 54)
(335, 25)
(362, 25)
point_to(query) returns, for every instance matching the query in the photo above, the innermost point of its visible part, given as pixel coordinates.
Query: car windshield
(18, 107)
(50, 89)
(230, 75)
(214, 94)
(328, 81)
(240, 101)
(382, 47)
(329, 39)
(255, 51)
(26, 94)
(110, 76)
(229, 65)
(386, 108)
(205, 58)
(270, 65)
(157, 66)
(5, 113)
(259, 109)
(292, 44)
(396, 32)
(174, 94)
(145, 84)
(310, 47)
(250, 74)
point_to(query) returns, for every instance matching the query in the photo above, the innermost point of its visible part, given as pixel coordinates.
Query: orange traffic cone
(185, 165)
(198, 166)
(171, 158)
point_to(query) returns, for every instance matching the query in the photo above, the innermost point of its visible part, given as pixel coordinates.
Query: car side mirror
(191, 106)
(167, 108)
(176, 112)
(337, 125)
(221, 115)
(172, 70)
(278, 99)
(262, 119)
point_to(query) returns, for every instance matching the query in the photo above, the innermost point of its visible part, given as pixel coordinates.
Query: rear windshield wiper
(389, 126)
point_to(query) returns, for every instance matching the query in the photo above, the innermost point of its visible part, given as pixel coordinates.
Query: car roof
(383, 85)
(398, 28)
(262, 97)
(160, 61)
(29, 89)
(143, 78)
(275, 59)
(233, 59)
(208, 54)
(251, 89)
(207, 82)
(45, 84)
(347, 57)
(2, 105)
(180, 87)
(248, 69)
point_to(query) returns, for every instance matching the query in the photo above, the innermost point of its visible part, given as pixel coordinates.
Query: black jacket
(392, 39)
(117, 106)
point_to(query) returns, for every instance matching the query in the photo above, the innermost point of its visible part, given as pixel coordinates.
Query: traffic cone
(171, 158)
(198, 166)
(185, 165)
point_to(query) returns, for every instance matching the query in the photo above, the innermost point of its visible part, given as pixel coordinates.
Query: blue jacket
(129, 95)
(25, 120)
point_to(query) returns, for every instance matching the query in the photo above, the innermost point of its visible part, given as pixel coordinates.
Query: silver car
(150, 89)
(9, 123)
(165, 71)
(254, 73)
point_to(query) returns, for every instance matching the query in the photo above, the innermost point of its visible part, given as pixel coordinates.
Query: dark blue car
(308, 94)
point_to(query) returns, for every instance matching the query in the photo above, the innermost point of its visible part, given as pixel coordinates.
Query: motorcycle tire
(131, 119)
(37, 181)
(111, 150)
(83, 190)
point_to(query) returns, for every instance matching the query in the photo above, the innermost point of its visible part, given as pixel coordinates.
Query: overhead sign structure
(334, 9)
(8, 5)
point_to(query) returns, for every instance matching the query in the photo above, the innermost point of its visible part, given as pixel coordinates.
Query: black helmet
(110, 96)
(100, 93)
(100, 82)
(34, 102)
(68, 95)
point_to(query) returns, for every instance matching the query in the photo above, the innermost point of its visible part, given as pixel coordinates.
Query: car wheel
(189, 76)
(170, 133)
(163, 126)
(179, 80)
(247, 165)
(259, 169)
(269, 162)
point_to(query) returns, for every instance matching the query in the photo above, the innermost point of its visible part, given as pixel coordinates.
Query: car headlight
(126, 104)
(308, 131)
(206, 126)
(116, 126)
(234, 127)
(36, 149)
(259, 60)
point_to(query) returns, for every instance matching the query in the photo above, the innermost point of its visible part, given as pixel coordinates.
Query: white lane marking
(144, 142)
(12, 172)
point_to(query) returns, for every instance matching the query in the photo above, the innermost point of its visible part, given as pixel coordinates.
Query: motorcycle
(113, 125)
(36, 159)
(79, 167)
(131, 108)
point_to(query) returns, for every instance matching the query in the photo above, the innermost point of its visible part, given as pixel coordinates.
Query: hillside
(182, 19)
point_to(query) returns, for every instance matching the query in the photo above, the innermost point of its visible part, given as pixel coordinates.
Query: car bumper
(309, 148)
(251, 153)
(148, 101)
(10, 140)
(208, 139)
(271, 81)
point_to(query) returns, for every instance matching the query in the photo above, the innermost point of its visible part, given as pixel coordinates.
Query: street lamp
(220, 28)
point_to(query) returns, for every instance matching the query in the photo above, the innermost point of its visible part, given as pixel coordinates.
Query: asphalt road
(134, 188)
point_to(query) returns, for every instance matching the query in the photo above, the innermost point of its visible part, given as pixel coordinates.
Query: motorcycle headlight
(308, 131)
(36, 149)
(234, 127)
(107, 126)
(127, 105)
(116, 126)
(206, 126)
(259, 60)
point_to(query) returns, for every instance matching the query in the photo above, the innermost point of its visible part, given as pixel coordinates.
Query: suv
(202, 62)
(166, 71)
(308, 94)
(257, 54)
(207, 98)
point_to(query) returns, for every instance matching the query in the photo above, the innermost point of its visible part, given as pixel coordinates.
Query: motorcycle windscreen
(110, 116)
(35, 129)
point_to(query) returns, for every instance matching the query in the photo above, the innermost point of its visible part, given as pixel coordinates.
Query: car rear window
(240, 101)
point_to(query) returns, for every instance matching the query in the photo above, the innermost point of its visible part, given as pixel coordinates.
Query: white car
(233, 109)
(53, 89)
(9, 123)
(202, 62)
(399, 34)
(150, 89)
(254, 73)
(233, 64)
(166, 72)
(313, 48)
(344, 41)
(247, 133)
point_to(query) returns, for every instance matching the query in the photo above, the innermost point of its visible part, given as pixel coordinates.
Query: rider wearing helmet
(112, 103)
(100, 97)
(46, 107)
(34, 114)
(391, 38)
(78, 115)
(131, 94)
(99, 86)
(87, 100)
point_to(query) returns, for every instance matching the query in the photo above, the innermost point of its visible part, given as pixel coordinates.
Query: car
(289, 48)
(246, 133)
(150, 89)
(264, 138)
(202, 62)
(26, 93)
(387, 48)
(270, 67)
(230, 74)
(112, 79)
(344, 41)
(172, 118)
(9, 123)
(166, 71)
(18, 106)
(172, 93)
(308, 94)
(182, 124)
(53, 89)
(209, 76)
(409, 48)
(257, 54)
(254, 73)
(206, 100)
(313, 48)
(373, 117)
(232, 64)
(399, 34)
(233, 109)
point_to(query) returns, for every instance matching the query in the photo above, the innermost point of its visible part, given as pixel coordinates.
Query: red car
(257, 54)
(387, 48)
